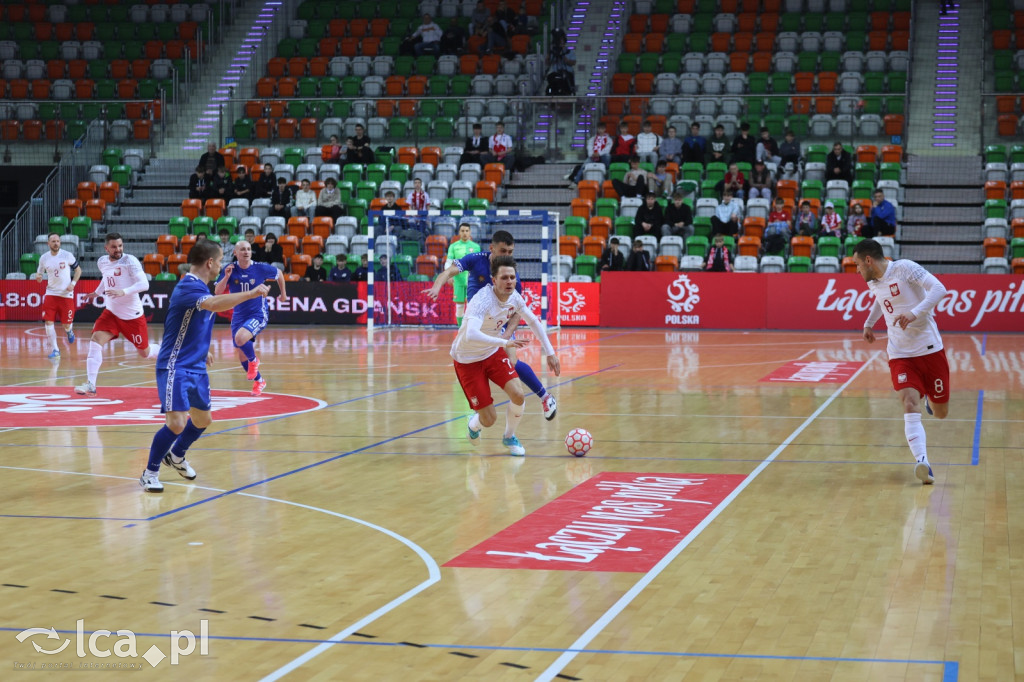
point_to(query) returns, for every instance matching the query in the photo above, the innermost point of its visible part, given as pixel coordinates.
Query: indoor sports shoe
(258, 386)
(514, 446)
(924, 473)
(927, 406)
(474, 436)
(150, 482)
(71, 336)
(550, 407)
(254, 369)
(54, 354)
(87, 389)
(181, 466)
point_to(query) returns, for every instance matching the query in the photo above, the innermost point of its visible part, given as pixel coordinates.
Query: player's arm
(279, 278)
(474, 332)
(138, 285)
(221, 302)
(534, 323)
(876, 312)
(443, 279)
(934, 291)
(222, 284)
(75, 276)
(510, 328)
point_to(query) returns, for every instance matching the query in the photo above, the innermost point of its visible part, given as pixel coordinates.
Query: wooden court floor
(313, 544)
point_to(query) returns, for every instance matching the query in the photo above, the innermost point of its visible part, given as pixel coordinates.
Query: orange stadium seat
(437, 246)
(754, 226)
(96, 209)
(312, 245)
(72, 208)
(213, 208)
(153, 263)
(801, 246)
(298, 226)
(166, 244)
(289, 245)
(593, 245)
(588, 190)
(995, 247)
(749, 245)
(666, 264)
(86, 191)
(110, 191)
(299, 262)
(600, 226)
(426, 264)
(568, 245)
(995, 189)
(322, 226)
(582, 208)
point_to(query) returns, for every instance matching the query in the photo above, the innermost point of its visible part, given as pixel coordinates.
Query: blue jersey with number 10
(478, 265)
(245, 279)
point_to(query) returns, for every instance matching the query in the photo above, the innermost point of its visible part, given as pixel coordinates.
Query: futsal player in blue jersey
(478, 265)
(181, 379)
(250, 317)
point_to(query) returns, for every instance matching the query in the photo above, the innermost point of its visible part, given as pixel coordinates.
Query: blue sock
(249, 351)
(188, 436)
(526, 373)
(245, 366)
(161, 443)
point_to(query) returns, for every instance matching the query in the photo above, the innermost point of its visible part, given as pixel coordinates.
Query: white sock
(474, 422)
(513, 413)
(51, 336)
(915, 436)
(153, 350)
(93, 362)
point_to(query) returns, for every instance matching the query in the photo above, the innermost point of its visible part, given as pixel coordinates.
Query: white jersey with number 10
(121, 274)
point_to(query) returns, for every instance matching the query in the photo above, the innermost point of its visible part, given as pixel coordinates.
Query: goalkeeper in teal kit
(459, 248)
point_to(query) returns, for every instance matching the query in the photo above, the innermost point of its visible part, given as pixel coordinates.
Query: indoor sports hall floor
(315, 540)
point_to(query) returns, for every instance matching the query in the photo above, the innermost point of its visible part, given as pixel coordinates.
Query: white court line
(594, 630)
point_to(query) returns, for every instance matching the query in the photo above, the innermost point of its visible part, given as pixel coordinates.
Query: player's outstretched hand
(554, 365)
(514, 344)
(869, 335)
(209, 359)
(283, 298)
(430, 293)
(228, 270)
(115, 293)
(261, 290)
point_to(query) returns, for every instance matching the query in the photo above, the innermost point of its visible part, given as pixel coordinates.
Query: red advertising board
(986, 303)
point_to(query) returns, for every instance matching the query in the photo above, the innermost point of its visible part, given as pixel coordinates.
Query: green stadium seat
(608, 208)
(575, 226)
(850, 244)
(81, 227)
(178, 226)
(58, 224)
(203, 225)
(29, 263)
(798, 264)
(624, 226)
(696, 246)
(829, 246)
(702, 226)
(587, 265)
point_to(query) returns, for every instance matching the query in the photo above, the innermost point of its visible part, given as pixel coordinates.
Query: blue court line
(285, 416)
(344, 454)
(976, 448)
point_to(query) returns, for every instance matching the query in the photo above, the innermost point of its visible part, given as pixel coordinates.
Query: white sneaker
(181, 466)
(924, 473)
(514, 446)
(150, 482)
(473, 436)
(86, 389)
(550, 407)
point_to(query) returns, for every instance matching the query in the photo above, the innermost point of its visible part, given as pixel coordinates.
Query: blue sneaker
(514, 446)
(474, 436)
(924, 473)
(71, 336)
(927, 406)
(54, 355)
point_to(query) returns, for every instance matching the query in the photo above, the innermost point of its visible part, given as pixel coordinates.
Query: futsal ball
(578, 442)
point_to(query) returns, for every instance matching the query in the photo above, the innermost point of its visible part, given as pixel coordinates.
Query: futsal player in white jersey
(906, 295)
(60, 268)
(122, 279)
(480, 357)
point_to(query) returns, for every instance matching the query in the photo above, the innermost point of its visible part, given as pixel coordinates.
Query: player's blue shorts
(179, 391)
(253, 324)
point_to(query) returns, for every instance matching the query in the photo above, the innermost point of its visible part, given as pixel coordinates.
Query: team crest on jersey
(117, 272)
(901, 377)
(62, 265)
(894, 289)
(474, 401)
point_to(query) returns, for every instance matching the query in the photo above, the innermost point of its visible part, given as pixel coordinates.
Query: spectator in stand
(241, 188)
(831, 223)
(361, 149)
(718, 146)
(767, 149)
(624, 146)
(453, 40)
(264, 187)
(224, 239)
(479, 17)
(883, 218)
(418, 199)
(694, 146)
(727, 216)
(639, 260)
(789, 150)
(856, 221)
(719, 256)
(611, 257)
(305, 201)
(599, 150)
(660, 181)
(212, 159)
(362, 272)
(221, 187)
(734, 182)
(333, 151)
(197, 183)
(779, 229)
(316, 272)
(678, 218)
(476, 146)
(502, 28)
(671, 149)
(634, 182)
(387, 269)
(209, 178)
(647, 144)
(761, 181)
(271, 251)
(282, 199)
(806, 223)
(839, 164)
(429, 35)
(780, 214)
(561, 75)
(390, 202)
(744, 147)
(499, 148)
(340, 272)
(649, 217)
(329, 202)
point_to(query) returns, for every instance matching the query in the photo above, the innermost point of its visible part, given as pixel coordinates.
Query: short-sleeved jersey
(494, 314)
(478, 265)
(897, 292)
(187, 328)
(457, 250)
(244, 279)
(121, 274)
(59, 270)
